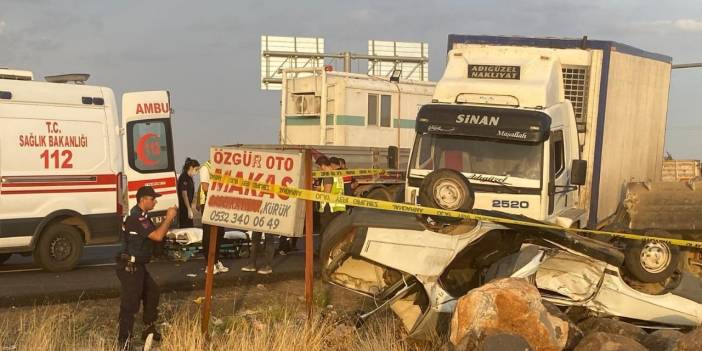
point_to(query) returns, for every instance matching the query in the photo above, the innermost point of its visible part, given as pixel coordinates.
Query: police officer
(138, 237)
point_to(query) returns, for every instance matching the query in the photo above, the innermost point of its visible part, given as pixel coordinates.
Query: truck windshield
(485, 160)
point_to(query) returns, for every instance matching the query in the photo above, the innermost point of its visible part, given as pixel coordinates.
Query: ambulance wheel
(652, 261)
(4, 257)
(446, 189)
(59, 248)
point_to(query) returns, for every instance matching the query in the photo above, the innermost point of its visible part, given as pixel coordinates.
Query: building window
(372, 109)
(385, 103)
(381, 110)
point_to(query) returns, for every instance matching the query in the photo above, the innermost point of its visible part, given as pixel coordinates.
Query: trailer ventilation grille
(576, 85)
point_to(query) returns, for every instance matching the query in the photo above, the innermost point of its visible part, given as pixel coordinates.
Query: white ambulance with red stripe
(70, 168)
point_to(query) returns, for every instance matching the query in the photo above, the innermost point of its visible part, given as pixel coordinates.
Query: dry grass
(276, 325)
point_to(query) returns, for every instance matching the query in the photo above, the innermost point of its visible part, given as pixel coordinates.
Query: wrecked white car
(419, 266)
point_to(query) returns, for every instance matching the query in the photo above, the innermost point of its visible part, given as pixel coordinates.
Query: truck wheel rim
(60, 248)
(655, 257)
(448, 194)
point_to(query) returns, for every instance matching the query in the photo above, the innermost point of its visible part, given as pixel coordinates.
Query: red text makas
(256, 177)
(152, 107)
(249, 159)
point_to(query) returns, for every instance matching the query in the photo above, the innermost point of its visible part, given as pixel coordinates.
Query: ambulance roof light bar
(75, 78)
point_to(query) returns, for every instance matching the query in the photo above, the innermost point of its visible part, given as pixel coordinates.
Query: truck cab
(504, 123)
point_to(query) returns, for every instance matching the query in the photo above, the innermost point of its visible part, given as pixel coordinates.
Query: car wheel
(652, 261)
(336, 241)
(446, 189)
(4, 257)
(59, 248)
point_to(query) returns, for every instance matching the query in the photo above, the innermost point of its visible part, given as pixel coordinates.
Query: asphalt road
(23, 283)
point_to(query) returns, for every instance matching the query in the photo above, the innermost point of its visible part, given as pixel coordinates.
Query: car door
(148, 148)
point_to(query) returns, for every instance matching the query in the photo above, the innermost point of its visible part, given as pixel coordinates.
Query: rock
(661, 339)
(600, 341)
(504, 307)
(612, 326)
(689, 342)
(260, 287)
(502, 342)
(574, 332)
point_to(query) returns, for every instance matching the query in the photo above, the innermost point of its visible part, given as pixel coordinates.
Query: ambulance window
(150, 146)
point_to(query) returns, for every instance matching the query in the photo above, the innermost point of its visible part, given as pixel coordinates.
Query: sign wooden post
(250, 209)
(209, 278)
(309, 246)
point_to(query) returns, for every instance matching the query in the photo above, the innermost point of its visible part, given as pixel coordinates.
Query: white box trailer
(620, 98)
(358, 109)
(364, 116)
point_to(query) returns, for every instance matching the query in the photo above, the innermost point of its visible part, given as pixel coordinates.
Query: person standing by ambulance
(136, 284)
(219, 267)
(186, 193)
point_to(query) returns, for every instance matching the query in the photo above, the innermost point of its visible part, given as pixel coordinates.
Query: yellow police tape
(348, 172)
(408, 208)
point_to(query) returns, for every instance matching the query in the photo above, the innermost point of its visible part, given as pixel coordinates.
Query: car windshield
(478, 157)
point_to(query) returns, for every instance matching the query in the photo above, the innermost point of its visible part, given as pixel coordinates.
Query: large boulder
(506, 311)
(661, 339)
(691, 341)
(501, 342)
(612, 326)
(599, 341)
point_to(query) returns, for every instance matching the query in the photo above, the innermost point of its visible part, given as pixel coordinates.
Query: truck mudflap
(664, 205)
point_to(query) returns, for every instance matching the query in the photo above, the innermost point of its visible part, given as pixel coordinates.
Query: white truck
(533, 130)
(70, 167)
(564, 131)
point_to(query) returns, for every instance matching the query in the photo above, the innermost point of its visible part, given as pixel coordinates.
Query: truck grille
(576, 85)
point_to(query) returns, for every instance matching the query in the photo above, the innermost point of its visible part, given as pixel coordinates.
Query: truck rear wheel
(59, 248)
(4, 257)
(652, 261)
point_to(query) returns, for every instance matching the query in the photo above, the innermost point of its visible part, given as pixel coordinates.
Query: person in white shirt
(219, 267)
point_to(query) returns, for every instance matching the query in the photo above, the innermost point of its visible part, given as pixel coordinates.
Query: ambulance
(70, 167)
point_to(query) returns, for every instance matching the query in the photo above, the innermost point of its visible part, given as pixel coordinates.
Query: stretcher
(185, 243)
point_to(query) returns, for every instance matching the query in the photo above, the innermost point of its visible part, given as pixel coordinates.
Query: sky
(207, 53)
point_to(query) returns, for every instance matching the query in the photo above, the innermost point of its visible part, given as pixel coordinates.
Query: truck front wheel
(652, 261)
(59, 248)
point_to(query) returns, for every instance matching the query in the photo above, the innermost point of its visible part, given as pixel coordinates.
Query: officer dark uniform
(138, 236)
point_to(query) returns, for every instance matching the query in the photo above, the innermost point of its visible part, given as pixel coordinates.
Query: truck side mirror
(393, 157)
(578, 172)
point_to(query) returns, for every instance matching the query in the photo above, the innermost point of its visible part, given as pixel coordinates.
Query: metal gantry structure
(278, 53)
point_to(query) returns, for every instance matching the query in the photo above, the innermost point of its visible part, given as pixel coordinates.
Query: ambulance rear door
(148, 148)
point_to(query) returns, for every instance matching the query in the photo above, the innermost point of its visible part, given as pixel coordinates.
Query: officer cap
(146, 191)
